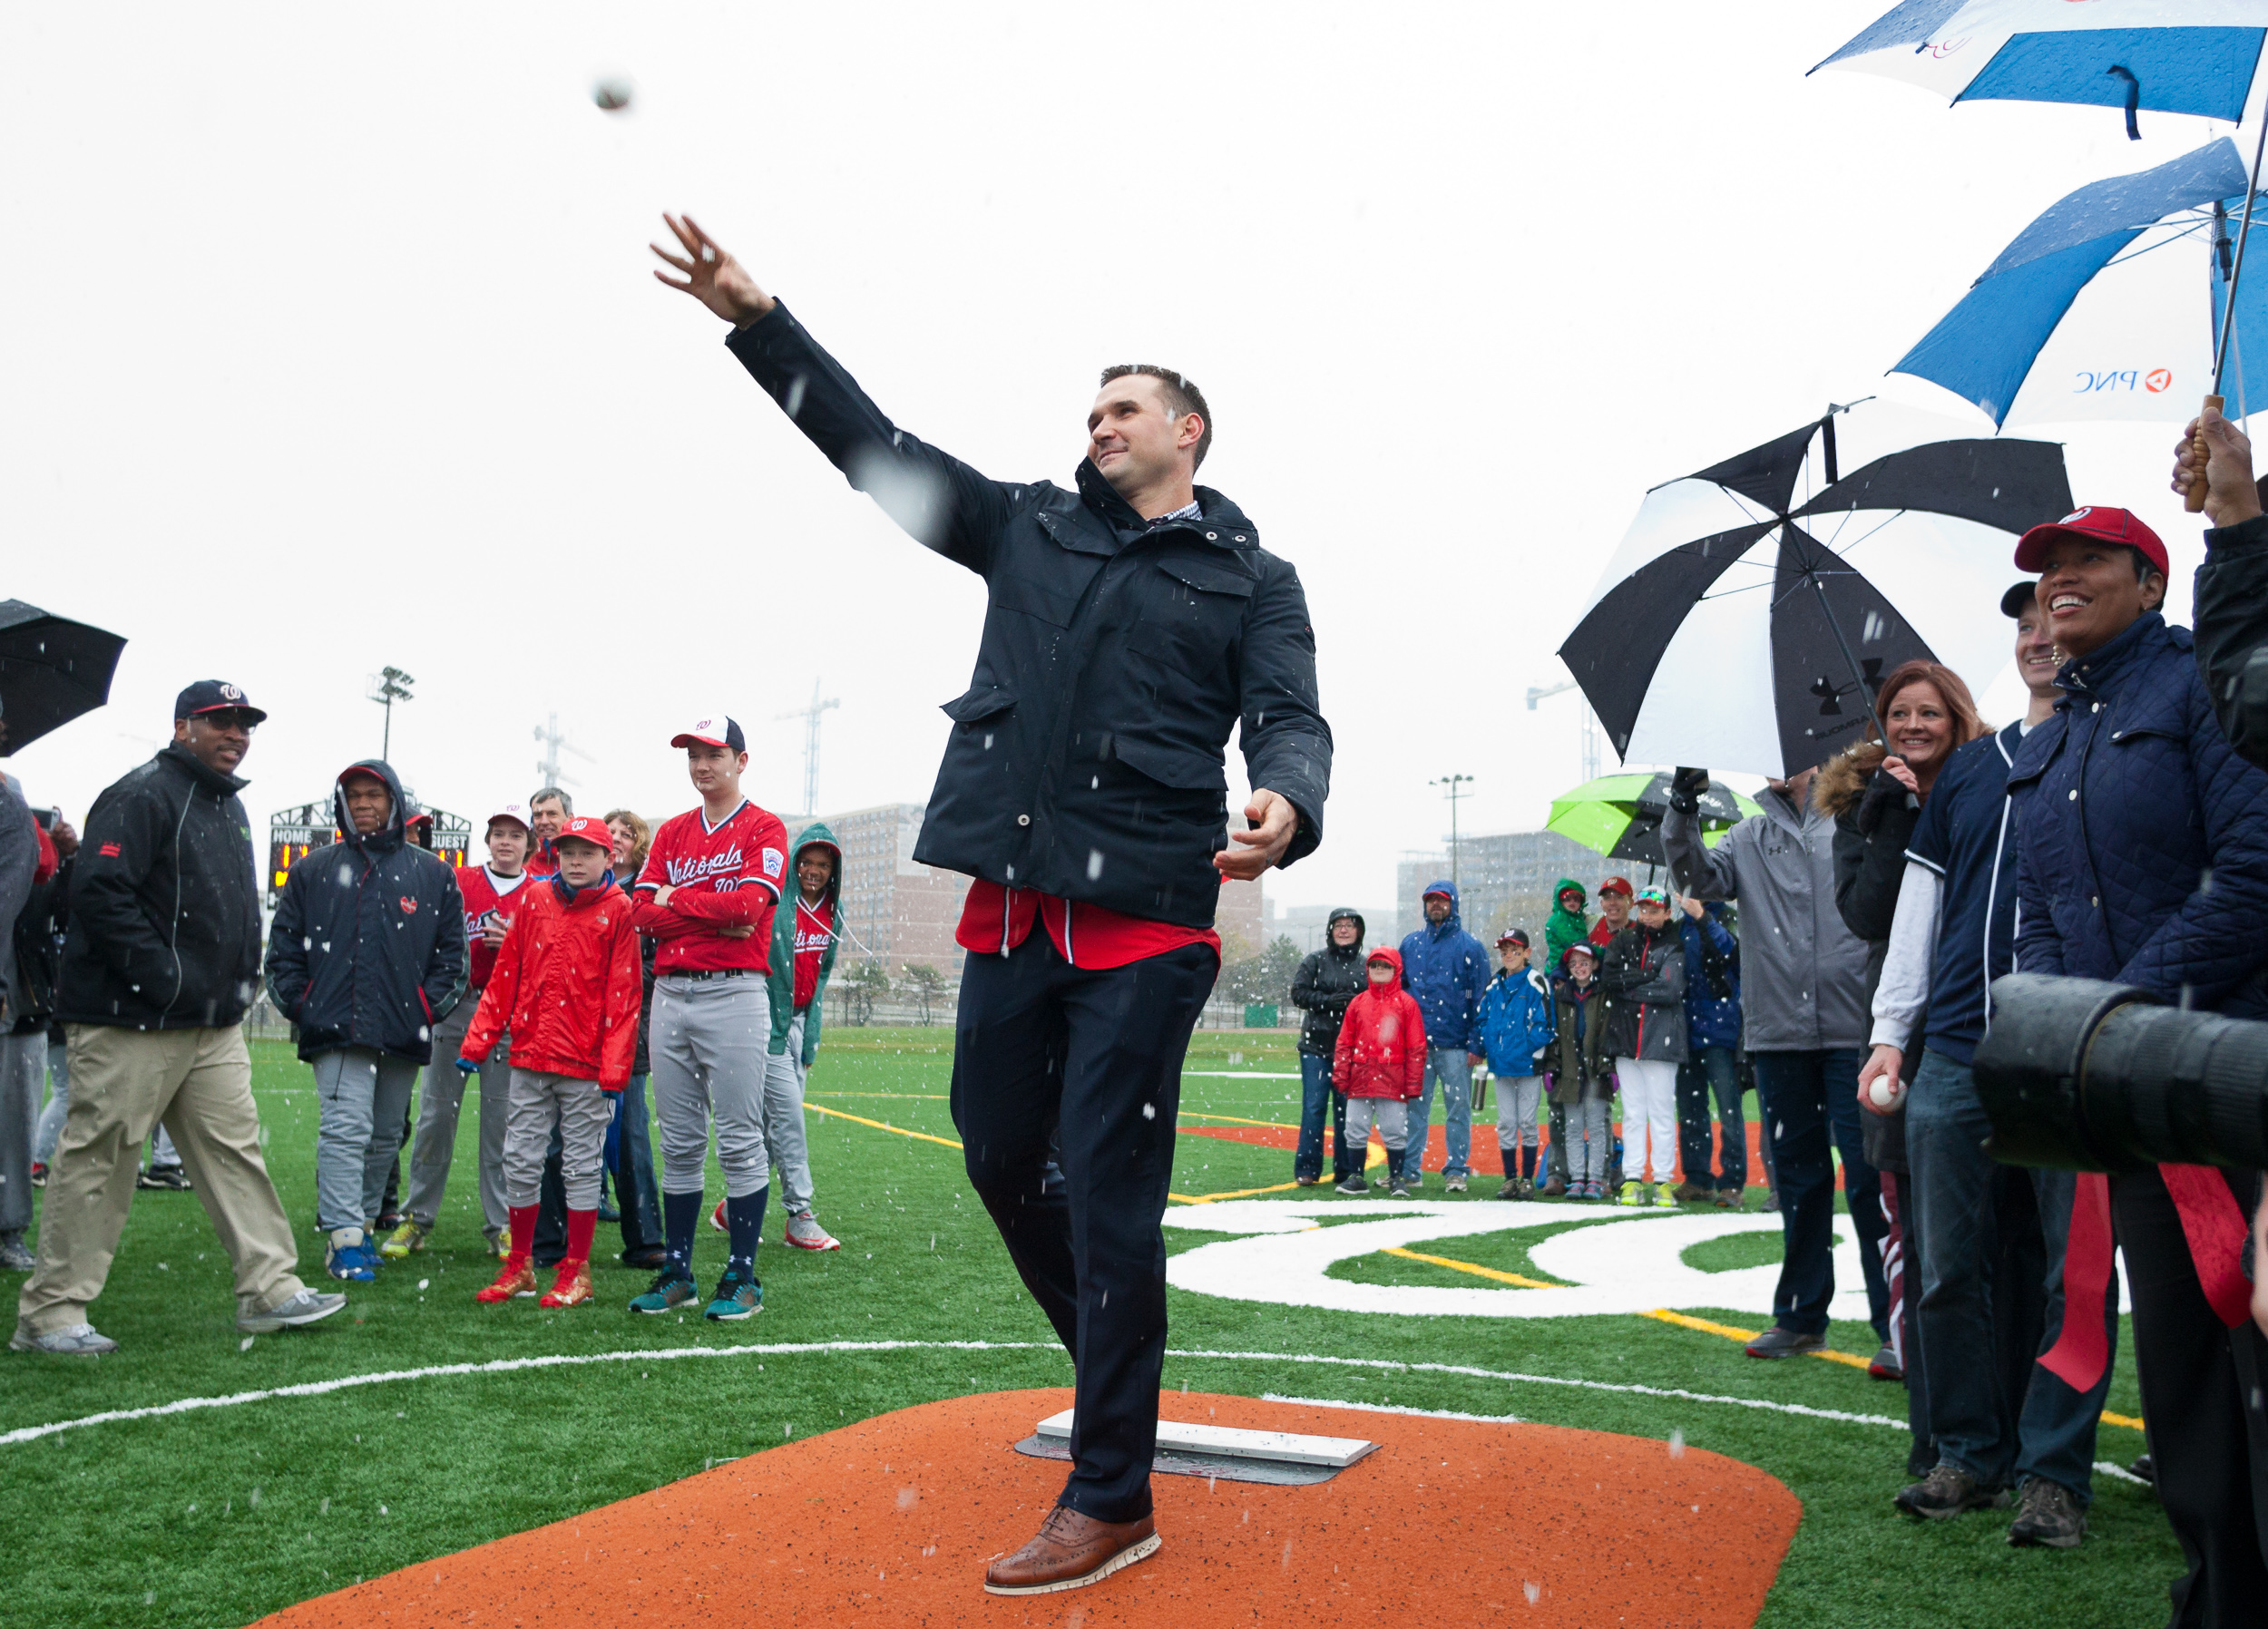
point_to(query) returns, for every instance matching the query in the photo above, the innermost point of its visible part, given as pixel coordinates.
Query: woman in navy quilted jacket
(2143, 858)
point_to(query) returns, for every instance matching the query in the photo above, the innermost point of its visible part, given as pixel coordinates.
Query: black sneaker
(2048, 1513)
(1355, 1184)
(1949, 1491)
(2146, 1468)
(1777, 1342)
(171, 1177)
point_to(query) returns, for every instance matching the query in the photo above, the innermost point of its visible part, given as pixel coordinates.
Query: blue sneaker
(738, 1296)
(348, 1255)
(673, 1287)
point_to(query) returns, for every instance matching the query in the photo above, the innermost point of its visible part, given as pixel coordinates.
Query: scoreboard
(295, 833)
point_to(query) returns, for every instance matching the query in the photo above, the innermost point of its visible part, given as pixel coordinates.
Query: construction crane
(811, 716)
(1590, 724)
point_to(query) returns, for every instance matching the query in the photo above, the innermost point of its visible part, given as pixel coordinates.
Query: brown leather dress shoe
(1070, 1552)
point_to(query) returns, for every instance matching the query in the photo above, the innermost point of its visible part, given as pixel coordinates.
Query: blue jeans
(1810, 1102)
(1709, 1072)
(1316, 1096)
(2045, 1429)
(1452, 1070)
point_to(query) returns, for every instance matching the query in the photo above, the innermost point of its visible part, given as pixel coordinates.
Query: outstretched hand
(1248, 854)
(711, 276)
(2232, 495)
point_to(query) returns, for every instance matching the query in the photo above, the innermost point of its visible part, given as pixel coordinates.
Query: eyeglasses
(229, 719)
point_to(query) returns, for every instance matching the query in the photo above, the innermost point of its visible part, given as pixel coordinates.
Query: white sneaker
(306, 1307)
(78, 1341)
(1452, 1185)
(805, 1233)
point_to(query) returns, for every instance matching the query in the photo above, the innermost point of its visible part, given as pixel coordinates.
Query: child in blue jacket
(1515, 1022)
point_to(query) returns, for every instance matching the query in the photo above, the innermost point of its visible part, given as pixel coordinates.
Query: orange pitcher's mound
(891, 1522)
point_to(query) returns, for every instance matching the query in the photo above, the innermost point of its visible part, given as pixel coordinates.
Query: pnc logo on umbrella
(2157, 379)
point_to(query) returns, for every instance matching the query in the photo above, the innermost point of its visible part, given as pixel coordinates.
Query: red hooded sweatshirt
(1381, 1042)
(567, 984)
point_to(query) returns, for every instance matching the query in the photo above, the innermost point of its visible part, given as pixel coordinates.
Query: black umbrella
(1758, 646)
(51, 669)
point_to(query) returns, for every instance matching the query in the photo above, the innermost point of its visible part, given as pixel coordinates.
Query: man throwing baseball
(1133, 622)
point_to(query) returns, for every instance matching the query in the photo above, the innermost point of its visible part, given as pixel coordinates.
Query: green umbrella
(1620, 815)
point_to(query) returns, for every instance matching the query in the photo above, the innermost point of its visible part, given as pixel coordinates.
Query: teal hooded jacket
(781, 981)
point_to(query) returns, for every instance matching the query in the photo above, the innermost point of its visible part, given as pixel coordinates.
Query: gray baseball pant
(709, 1042)
(784, 1077)
(435, 1145)
(579, 1110)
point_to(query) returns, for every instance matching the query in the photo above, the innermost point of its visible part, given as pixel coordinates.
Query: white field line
(2104, 1467)
(793, 1348)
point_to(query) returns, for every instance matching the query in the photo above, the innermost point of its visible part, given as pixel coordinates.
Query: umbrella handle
(2194, 500)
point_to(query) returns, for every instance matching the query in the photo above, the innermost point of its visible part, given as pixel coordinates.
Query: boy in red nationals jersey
(489, 892)
(568, 984)
(712, 880)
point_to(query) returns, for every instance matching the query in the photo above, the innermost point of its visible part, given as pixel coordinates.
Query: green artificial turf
(216, 1517)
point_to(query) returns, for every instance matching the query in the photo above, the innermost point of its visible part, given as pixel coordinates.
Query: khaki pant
(198, 1084)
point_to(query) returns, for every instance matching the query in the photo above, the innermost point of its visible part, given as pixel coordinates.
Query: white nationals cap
(516, 812)
(715, 730)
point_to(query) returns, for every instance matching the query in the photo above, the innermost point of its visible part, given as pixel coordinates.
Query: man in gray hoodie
(1804, 1011)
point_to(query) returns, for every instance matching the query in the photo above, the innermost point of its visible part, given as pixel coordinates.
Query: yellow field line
(1474, 1268)
(942, 1142)
(945, 1142)
(909, 1097)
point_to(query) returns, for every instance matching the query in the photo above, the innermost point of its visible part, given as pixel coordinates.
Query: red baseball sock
(522, 1232)
(579, 1227)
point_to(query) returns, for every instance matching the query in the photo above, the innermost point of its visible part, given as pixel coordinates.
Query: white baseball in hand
(1883, 1093)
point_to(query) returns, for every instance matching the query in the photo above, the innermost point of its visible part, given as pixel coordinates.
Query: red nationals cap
(587, 828)
(2097, 524)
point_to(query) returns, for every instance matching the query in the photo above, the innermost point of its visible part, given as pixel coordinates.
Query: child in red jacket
(1380, 1065)
(566, 985)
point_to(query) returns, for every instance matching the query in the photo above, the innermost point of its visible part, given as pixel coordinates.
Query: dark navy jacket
(1447, 970)
(368, 946)
(1711, 1019)
(2143, 838)
(1967, 834)
(1086, 756)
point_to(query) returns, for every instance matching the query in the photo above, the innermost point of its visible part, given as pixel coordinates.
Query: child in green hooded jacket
(1565, 926)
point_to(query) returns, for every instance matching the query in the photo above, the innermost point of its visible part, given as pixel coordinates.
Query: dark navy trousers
(1092, 1059)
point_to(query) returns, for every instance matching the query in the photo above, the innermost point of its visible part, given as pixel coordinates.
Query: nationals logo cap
(2097, 524)
(213, 695)
(716, 730)
(586, 828)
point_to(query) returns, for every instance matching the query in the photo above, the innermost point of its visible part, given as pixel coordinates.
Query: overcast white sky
(327, 341)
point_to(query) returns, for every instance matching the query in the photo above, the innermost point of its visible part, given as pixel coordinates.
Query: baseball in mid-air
(612, 95)
(1883, 1093)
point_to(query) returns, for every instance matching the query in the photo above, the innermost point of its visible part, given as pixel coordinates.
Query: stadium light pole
(388, 686)
(1456, 784)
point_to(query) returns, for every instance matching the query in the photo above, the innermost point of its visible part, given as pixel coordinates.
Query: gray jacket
(1802, 982)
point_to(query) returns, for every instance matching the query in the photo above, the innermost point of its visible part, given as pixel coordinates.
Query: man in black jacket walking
(1132, 623)
(365, 955)
(1327, 981)
(159, 967)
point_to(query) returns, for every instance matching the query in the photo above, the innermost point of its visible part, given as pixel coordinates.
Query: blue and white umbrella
(2172, 56)
(2108, 305)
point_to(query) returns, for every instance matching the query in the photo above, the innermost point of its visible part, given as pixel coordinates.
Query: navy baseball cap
(716, 730)
(213, 695)
(2019, 596)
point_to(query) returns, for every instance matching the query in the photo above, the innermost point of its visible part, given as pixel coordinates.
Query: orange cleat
(517, 1280)
(572, 1288)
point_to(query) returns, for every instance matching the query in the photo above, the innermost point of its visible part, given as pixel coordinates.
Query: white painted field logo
(1614, 1264)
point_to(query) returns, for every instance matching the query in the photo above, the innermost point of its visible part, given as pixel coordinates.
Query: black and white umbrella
(51, 669)
(1753, 607)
